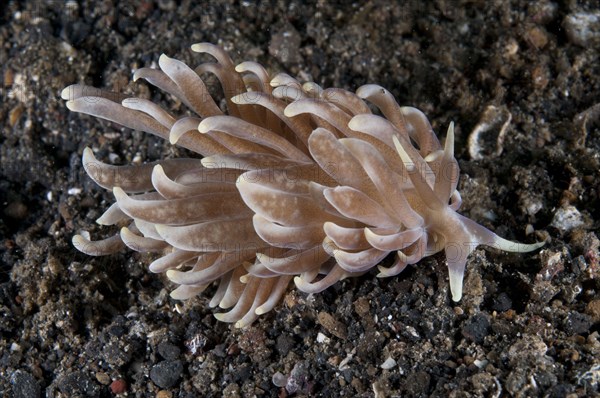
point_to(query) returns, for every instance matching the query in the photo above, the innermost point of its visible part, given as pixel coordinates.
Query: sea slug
(292, 181)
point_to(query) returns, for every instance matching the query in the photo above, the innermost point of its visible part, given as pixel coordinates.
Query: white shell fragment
(487, 137)
(567, 218)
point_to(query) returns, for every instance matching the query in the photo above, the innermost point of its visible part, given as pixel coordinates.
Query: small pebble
(577, 323)
(332, 325)
(388, 364)
(538, 37)
(476, 328)
(583, 28)
(165, 374)
(567, 218)
(118, 386)
(169, 351)
(279, 379)
(103, 378)
(9, 77)
(502, 302)
(593, 310)
(24, 385)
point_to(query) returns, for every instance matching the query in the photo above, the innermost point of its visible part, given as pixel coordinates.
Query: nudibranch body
(294, 181)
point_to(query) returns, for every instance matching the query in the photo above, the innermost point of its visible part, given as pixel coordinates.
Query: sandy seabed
(77, 326)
